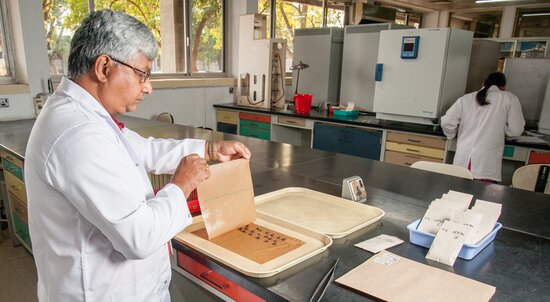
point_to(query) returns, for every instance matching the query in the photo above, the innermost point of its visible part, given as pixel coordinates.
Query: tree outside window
(62, 18)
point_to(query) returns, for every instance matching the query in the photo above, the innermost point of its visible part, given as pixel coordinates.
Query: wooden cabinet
(17, 198)
(406, 148)
(226, 121)
(355, 141)
(255, 125)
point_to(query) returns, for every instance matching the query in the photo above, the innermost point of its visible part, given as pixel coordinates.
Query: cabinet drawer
(291, 121)
(254, 132)
(255, 117)
(13, 168)
(421, 140)
(13, 159)
(255, 125)
(22, 230)
(19, 208)
(227, 128)
(413, 149)
(406, 159)
(228, 117)
(16, 186)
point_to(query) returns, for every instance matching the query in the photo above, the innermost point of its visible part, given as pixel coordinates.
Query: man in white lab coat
(481, 120)
(98, 231)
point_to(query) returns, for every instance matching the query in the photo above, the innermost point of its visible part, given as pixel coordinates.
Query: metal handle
(9, 157)
(408, 164)
(412, 156)
(211, 277)
(290, 121)
(15, 187)
(412, 150)
(414, 140)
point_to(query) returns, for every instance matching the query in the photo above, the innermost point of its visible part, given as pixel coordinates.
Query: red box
(192, 202)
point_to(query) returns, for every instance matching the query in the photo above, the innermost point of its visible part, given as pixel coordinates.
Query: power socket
(4, 103)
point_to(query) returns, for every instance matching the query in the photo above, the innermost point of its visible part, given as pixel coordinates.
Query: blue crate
(467, 252)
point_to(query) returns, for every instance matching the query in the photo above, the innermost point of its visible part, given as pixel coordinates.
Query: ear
(102, 68)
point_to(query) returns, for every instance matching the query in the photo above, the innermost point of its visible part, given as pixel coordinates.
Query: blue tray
(346, 113)
(467, 252)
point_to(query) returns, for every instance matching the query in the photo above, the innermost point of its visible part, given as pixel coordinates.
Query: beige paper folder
(393, 278)
(227, 197)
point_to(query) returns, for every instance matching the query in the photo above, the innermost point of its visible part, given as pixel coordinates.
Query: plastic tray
(331, 215)
(314, 243)
(346, 113)
(467, 252)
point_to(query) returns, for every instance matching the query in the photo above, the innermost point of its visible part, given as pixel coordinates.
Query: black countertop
(370, 120)
(517, 263)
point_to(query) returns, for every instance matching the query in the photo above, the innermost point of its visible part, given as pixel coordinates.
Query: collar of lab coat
(80, 95)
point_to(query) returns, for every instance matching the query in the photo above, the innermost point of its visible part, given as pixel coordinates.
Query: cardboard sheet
(257, 243)
(227, 197)
(393, 278)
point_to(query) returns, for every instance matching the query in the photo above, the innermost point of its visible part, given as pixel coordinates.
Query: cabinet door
(363, 142)
(328, 137)
(227, 128)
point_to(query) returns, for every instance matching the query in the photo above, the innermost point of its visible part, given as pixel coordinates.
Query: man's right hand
(191, 171)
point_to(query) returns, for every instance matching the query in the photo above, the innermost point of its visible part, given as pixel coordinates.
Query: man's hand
(227, 150)
(191, 171)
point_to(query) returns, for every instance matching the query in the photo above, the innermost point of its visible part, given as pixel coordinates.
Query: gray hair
(112, 33)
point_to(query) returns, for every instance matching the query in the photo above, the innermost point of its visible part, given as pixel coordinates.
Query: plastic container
(303, 103)
(467, 252)
(346, 113)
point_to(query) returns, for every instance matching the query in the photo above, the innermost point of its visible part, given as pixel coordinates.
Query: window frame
(187, 73)
(5, 26)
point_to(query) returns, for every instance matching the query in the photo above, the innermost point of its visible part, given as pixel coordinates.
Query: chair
(526, 178)
(443, 169)
(165, 117)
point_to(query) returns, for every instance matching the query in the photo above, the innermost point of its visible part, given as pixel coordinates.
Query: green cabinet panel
(257, 133)
(256, 125)
(13, 169)
(22, 230)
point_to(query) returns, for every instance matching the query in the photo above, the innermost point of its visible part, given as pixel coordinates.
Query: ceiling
(470, 9)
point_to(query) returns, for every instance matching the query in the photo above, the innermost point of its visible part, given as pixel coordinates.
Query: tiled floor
(17, 272)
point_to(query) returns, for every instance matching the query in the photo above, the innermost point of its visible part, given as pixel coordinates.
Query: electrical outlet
(231, 90)
(4, 103)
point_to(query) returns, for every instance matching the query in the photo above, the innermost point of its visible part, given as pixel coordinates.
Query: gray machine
(321, 49)
(359, 63)
(483, 61)
(527, 79)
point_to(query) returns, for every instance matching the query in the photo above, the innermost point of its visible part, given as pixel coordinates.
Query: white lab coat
(481, 130)
(98, 232)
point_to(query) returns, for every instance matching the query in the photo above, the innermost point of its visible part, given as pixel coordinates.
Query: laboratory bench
(517, 262)
(366, 136)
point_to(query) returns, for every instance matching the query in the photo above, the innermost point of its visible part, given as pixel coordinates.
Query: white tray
(314, 243)
(327, 214)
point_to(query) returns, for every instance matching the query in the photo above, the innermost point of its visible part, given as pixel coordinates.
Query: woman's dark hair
(495, 78)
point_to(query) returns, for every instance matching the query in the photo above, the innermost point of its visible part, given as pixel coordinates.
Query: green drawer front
(256, 125)
(22, 230)
(508, 151)
(13, 169)
(253, 132)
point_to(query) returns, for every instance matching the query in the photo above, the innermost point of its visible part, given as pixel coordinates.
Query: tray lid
(324, 213)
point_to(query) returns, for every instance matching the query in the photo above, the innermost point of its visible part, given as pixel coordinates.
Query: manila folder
(393, 278)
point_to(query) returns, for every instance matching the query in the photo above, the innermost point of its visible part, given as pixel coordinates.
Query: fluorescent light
(536, 14)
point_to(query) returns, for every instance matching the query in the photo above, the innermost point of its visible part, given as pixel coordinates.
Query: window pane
(293, 14)
(206, 36)
(61, 19)
(7, 63)
(146, 11)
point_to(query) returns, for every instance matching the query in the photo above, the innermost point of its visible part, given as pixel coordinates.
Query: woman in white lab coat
(98, 231)
(480, 121)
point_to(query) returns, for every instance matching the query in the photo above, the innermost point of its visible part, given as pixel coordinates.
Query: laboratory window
(190, 33)
(300, 14)
(7, 63)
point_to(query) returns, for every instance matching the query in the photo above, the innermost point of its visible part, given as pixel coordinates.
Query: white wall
(30, 55)
(189, 106)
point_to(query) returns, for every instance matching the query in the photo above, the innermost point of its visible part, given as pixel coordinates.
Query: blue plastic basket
(346, 113)
(467, 252)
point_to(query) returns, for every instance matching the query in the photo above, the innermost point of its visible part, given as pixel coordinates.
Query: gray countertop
(517, 263)
(369, 120)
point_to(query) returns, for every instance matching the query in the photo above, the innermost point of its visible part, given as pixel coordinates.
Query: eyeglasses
(143, 76)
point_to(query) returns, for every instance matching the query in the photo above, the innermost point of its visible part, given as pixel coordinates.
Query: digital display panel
(408, 46)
